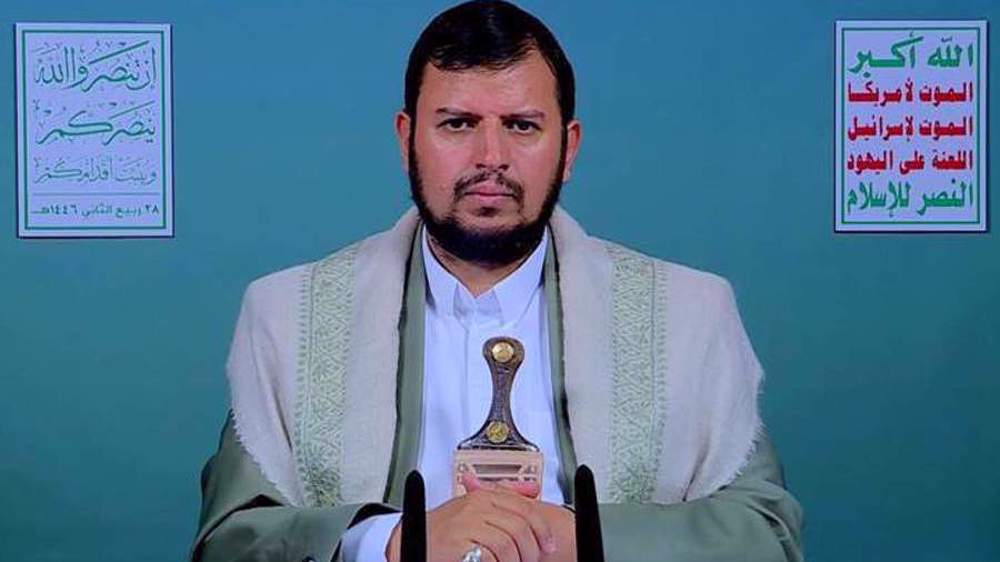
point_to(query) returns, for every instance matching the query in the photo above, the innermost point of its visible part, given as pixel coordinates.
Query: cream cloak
(661, 381)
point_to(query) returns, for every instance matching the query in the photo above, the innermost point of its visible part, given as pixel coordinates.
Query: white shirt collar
(505, 302)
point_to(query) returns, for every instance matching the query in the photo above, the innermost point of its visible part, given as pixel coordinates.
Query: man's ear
(402, 125)
(574, 134)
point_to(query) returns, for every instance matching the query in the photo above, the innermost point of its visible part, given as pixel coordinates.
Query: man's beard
(489, 247)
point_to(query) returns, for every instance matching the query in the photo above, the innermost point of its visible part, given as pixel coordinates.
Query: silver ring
(474, 554)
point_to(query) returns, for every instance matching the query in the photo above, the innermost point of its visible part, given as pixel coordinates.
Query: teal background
(708, 140)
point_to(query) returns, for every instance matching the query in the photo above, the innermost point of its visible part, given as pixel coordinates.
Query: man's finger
(485, 554)
(514, 502)
(472, 483)
(526, 489)
(518, 529)
(529, 510)
(497, 542)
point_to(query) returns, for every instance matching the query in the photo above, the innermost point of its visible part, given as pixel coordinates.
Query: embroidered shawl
(660, 378)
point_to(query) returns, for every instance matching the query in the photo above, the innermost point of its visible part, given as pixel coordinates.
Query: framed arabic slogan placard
(911, 126)
(94, 134)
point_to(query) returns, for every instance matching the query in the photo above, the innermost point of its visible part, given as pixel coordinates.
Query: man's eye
(456, 124)
(521, 126)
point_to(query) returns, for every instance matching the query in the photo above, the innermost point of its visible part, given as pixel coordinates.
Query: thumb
(472, 483)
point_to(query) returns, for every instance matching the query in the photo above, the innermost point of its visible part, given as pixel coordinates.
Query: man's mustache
(464, 185)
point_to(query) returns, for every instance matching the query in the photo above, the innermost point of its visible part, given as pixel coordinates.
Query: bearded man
(349, 372)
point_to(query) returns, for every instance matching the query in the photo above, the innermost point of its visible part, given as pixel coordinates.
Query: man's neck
(476, 277)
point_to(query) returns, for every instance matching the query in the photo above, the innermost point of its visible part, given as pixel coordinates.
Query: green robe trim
(553, 305)
(638, 383)
(324, 316)
(410, 385)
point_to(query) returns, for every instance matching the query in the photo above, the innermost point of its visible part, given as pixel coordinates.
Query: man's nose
(492, 151)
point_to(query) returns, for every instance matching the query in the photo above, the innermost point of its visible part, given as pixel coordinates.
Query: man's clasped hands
(504, 519)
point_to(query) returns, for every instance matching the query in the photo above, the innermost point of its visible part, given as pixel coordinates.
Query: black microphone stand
(414, 527)
(589, 544)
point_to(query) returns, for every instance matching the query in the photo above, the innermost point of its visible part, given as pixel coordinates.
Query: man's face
(486, 156)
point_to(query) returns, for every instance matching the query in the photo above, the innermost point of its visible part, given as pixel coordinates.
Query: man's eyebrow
(529, 114)
(456, 113)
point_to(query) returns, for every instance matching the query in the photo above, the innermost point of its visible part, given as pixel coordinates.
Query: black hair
(490, 34)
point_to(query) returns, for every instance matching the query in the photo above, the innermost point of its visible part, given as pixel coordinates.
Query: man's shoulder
(286, 284)
(680, 281)
(393, 244)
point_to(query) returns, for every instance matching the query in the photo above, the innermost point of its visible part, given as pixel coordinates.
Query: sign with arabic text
(910, 126)
(94, 134)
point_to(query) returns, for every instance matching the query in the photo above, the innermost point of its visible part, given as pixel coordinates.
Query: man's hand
(508, 525)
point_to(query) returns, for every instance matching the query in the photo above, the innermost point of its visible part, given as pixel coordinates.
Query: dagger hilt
(504, 356)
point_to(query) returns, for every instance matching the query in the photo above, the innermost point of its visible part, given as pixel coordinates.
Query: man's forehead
(527, 82)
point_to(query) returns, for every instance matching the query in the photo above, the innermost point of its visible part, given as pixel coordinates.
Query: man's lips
(489, 190)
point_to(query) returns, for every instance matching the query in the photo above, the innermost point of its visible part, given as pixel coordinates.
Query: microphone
(413, 547)
(589, 544)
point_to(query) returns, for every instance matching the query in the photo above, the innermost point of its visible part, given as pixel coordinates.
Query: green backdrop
(708, 140)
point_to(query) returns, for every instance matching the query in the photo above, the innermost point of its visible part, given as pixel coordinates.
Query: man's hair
(489, 34)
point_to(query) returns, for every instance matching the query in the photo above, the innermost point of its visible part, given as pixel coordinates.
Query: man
(349, 372)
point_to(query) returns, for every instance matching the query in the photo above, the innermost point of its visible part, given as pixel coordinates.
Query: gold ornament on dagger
(498, 451)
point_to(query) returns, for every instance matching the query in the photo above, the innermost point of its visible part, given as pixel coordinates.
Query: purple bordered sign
(94, 135)
(910, 146)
